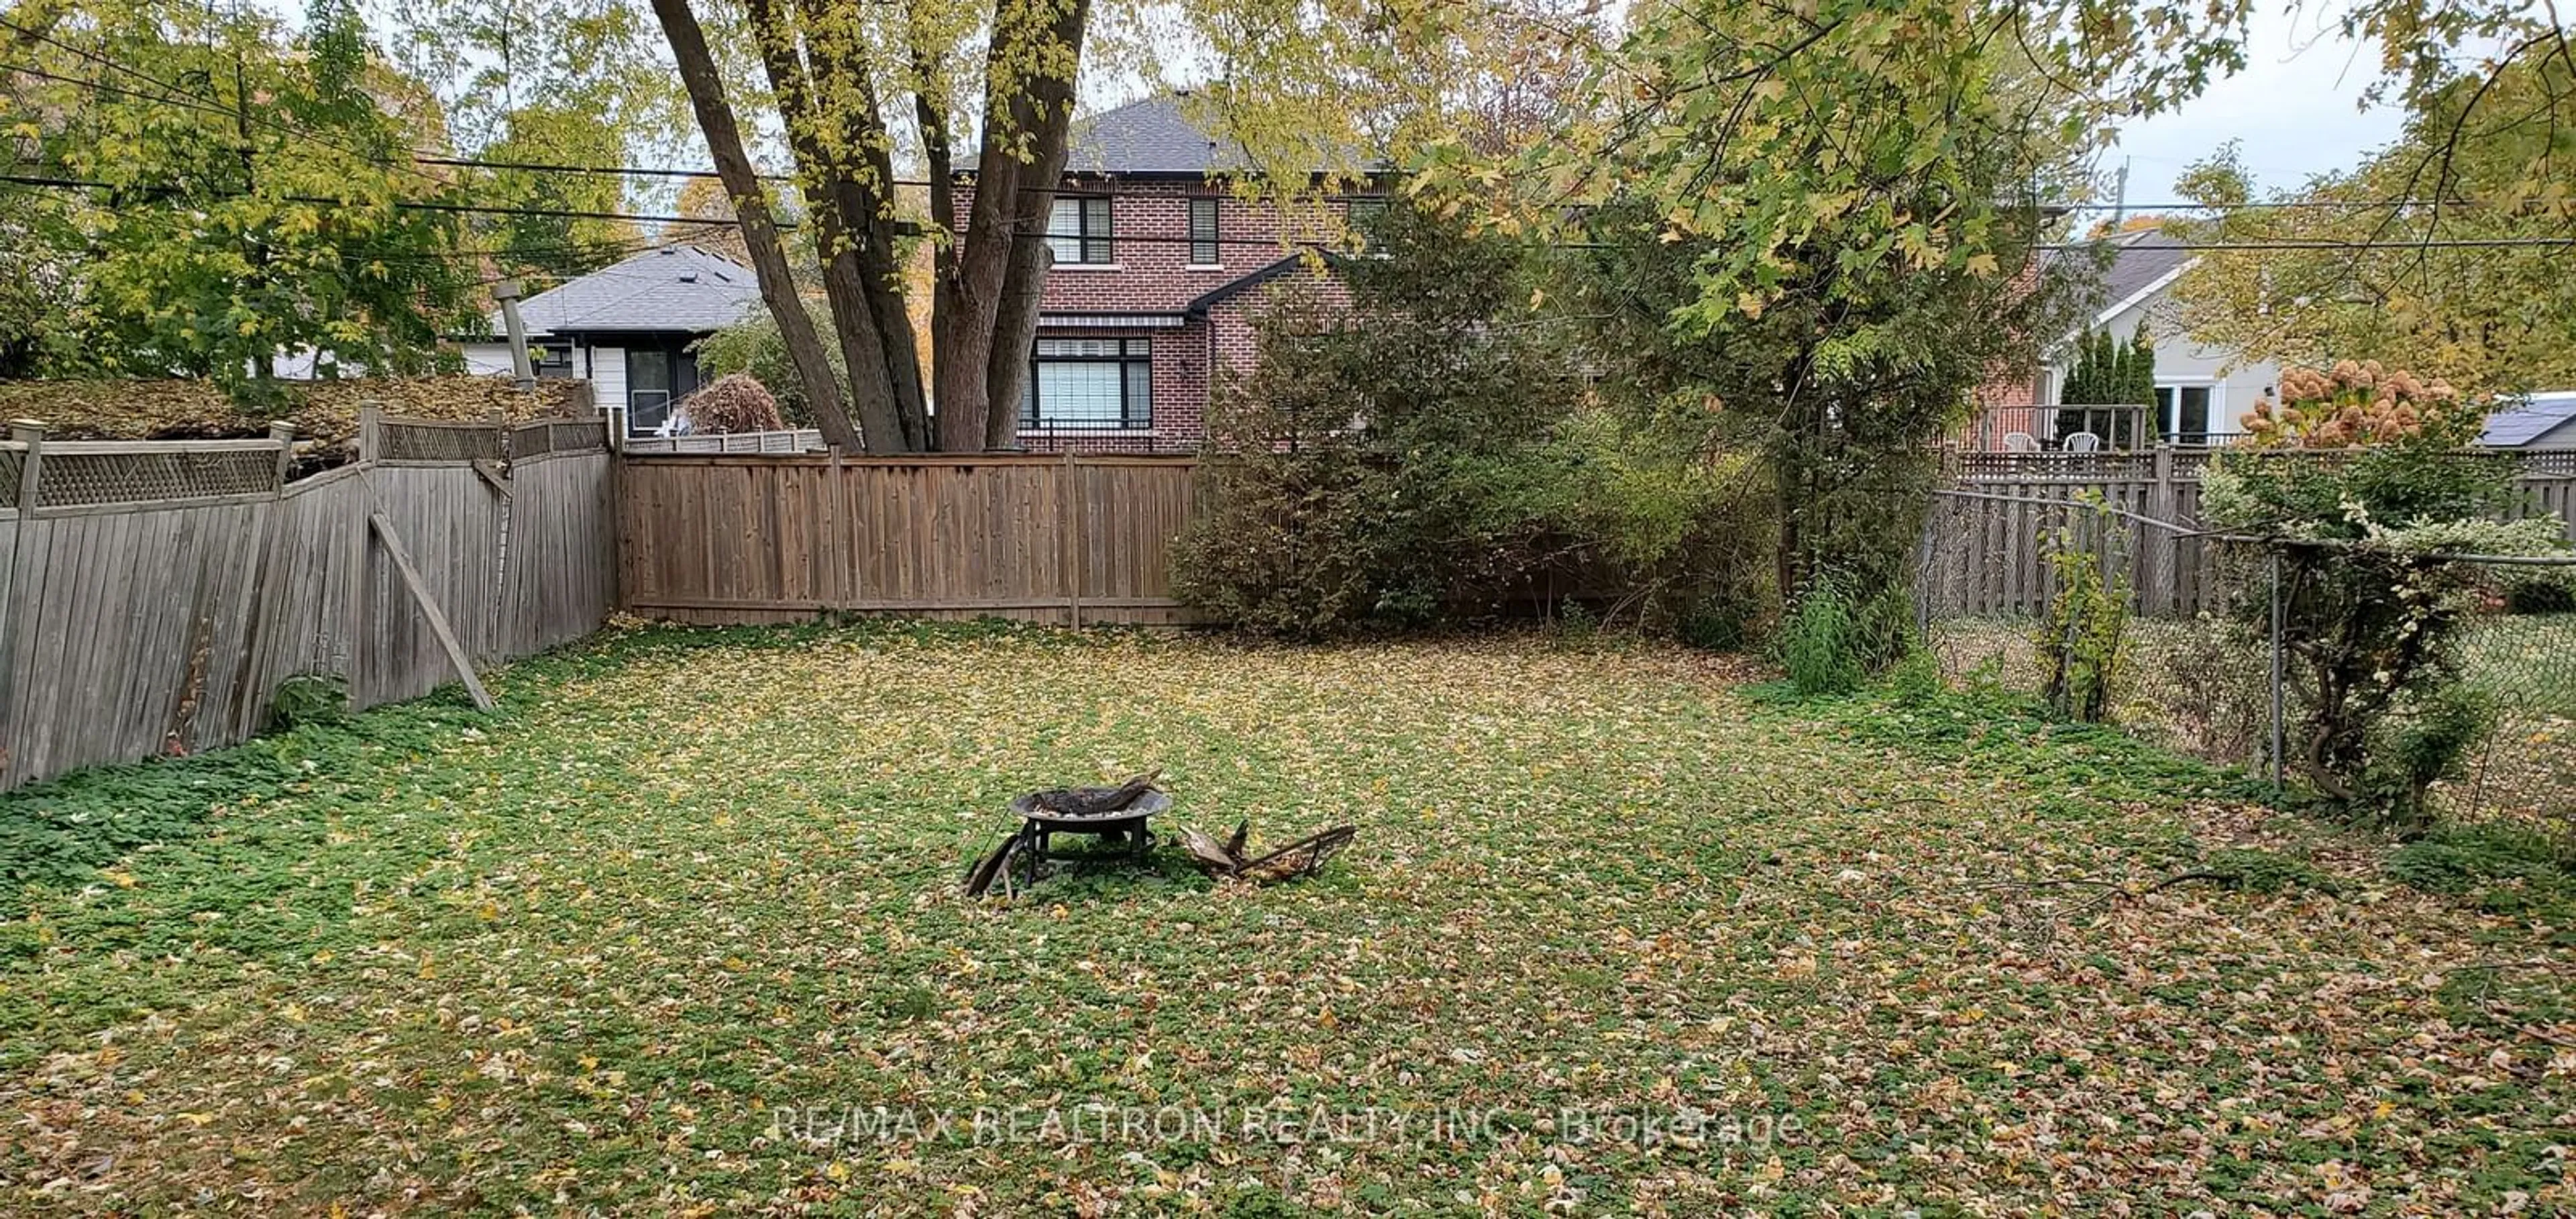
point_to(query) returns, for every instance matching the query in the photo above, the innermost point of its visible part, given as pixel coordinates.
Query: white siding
(2237, 383)
(607, 367)
(487, 359)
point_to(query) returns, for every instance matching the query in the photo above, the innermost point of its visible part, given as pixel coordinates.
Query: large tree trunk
(930, 110)
(862, 194)
(988, 270)
(968, 299)
(1048, 110)
(839, 194)
(759, 230)
(882, 280)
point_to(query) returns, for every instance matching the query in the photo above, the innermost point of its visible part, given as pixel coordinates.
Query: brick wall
(2004, 406)
(1152, 274)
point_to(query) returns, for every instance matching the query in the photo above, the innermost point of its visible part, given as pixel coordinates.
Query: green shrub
(2498, 867)
(1421, 454)
(1916, 679)
(2414, 751)
(2081, 639)
(1834, 639)
(2372, 610)
(753, 348)
(2540, 596)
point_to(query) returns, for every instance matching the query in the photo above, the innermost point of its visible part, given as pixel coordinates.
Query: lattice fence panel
(424, 442)
(12, 463)
(70, 480)
(557, 436)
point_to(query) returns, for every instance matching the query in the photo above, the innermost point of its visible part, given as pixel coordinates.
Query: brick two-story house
(1161, 267)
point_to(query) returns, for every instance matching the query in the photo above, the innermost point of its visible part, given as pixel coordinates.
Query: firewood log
(979, 879)
(1211, 856)
(1304, 857)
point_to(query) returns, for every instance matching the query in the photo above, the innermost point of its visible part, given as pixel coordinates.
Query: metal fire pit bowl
(1118, 825)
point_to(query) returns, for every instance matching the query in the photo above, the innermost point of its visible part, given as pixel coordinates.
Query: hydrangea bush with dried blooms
(733, 403)
(2376, 595)
(2361, 403)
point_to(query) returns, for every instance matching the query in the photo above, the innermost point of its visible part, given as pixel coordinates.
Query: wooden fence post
(842, 536)
(13, 622)
(1073, 548)
(429, 609)
(371, 432)
(30, 433)
(2164, 565)
(284, 434)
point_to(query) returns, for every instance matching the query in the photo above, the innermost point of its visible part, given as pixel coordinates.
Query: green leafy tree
(252, 197)
(543, 243)
(1834, 279)
(1376, 468)
(752, 347)
(2472, 288)
(2109, 372)
(35, 294)
(2138, 378)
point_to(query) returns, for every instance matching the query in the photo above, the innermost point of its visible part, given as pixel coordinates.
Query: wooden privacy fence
(1985, 544)
(1056, 538)
(155, 595)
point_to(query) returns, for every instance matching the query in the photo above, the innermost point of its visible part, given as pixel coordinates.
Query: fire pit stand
(1038, 826)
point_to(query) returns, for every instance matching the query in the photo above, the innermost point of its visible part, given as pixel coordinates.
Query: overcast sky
(2294, 107)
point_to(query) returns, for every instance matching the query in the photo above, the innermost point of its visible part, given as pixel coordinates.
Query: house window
(656, 379)
(1089, 383)
(2183, 412)
(1078, 231)
(1203, 232)
(553, 361)
(1364, 213)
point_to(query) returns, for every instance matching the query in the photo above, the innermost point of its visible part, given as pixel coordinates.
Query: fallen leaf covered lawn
(677, 933)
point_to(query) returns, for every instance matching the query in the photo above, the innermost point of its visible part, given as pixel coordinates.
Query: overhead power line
(599, 171)
(412, 205)
(177, 95)
(2356, 247)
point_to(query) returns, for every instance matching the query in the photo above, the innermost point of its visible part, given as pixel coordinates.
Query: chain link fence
(2198, 669)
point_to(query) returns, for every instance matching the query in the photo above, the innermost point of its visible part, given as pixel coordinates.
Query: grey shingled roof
(1153, 136)
(2532, 424)
(2139, 259)
(2134, 261)
(681, 288)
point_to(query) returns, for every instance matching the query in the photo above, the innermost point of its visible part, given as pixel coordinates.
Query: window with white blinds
(1204, 242)
(1078, 231)
(1089, 383)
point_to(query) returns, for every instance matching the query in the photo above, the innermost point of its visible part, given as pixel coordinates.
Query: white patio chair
(2081, 442)
(2020, 442)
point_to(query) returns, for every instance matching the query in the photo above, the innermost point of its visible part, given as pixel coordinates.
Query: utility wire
(179, 95)
(2356, 247)
(1274, 244)
(416, 205)
(182, 98)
